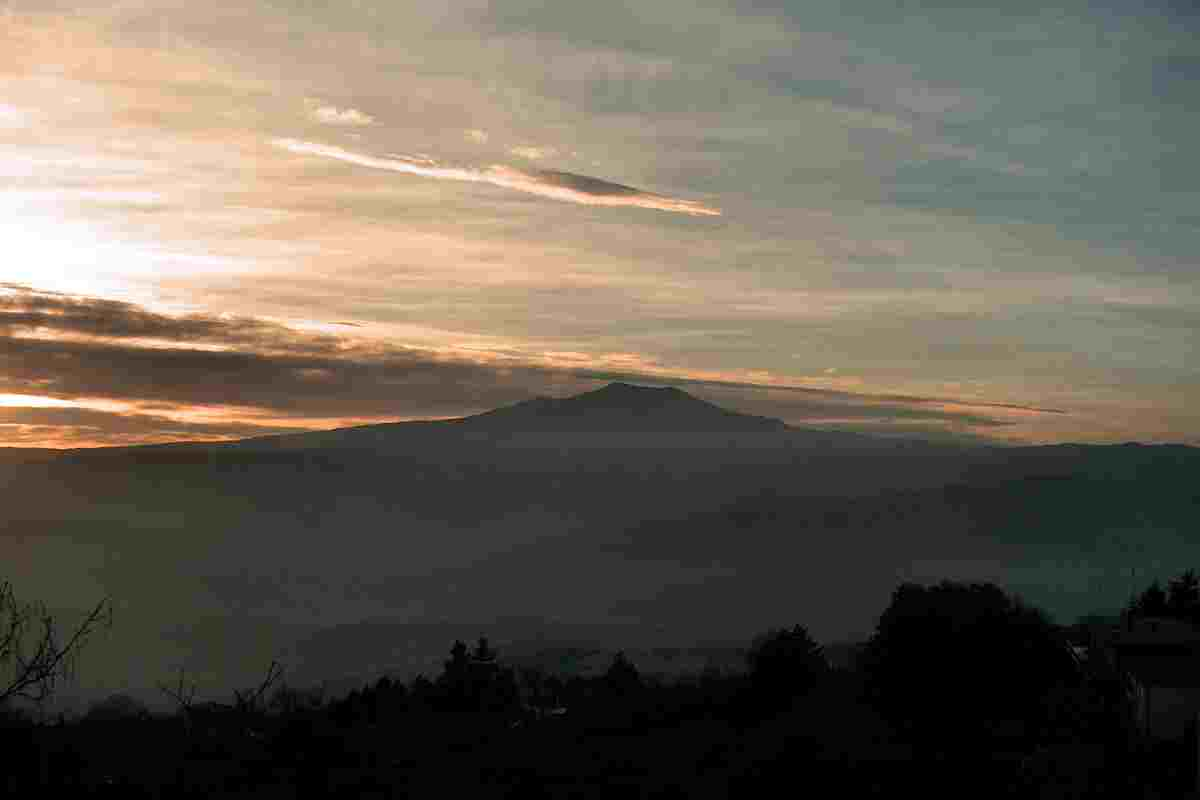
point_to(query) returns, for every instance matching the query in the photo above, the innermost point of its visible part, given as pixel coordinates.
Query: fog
(346, 562)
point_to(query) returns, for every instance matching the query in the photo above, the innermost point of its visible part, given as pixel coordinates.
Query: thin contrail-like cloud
(568, 186)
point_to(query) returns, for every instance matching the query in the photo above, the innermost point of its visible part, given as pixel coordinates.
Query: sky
(234, 218)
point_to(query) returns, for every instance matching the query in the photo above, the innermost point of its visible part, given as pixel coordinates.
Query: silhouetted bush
(116, 707)
(957, 662)
(785, 663)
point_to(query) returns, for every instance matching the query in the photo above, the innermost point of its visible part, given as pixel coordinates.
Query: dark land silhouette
(960, 684)
(629, 520)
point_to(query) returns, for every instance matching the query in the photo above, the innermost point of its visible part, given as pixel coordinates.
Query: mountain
(615, 409)
(620, 408)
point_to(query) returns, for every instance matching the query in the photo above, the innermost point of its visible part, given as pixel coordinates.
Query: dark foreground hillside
(962, 690)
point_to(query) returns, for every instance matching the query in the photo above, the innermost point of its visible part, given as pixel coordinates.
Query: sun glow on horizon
(355, 212)
(34, 401)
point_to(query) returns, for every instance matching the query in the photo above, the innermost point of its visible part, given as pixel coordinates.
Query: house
(1160, 658)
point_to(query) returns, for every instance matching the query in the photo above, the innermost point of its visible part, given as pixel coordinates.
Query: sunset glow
(674, 212)
(713, 367)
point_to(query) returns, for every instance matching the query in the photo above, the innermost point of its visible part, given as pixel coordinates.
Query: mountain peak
(623, 407)
(633, 393)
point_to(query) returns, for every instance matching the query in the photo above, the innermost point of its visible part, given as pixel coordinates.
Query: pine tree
(483, 660)
(1183, 596)
(1152, 602)
(622, 677)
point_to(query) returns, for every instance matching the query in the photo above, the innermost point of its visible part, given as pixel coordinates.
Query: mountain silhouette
(618, 408)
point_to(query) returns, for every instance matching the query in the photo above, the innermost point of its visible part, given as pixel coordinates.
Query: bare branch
(183, 694)
(32, 651)
(250, 699)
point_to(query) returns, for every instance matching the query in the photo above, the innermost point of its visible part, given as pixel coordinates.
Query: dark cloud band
(72, 348)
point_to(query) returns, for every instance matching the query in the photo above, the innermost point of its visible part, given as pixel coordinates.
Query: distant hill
(616, 409)
(622, 407)
(20, 455)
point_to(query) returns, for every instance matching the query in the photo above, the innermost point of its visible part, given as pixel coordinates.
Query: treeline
(962, 690)
(1179, 600)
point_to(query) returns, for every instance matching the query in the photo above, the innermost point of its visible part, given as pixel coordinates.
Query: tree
(117, 707)
(455, 681)
(36, 652)
(785, 662)
(483, 652)
(956, 661)
(211, 718)
(293, 700)
(1180, 600)
(472, 680)
(456, 669)
(622, 677)
(1183, 596)
(1151, 603)
(250, 701)
(483, 662)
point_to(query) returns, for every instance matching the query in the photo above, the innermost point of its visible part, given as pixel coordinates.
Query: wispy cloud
(332, 115)
(567, 186)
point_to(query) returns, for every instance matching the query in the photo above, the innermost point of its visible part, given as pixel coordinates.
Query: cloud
(565, 186)
(26, 311)
(87, 426)
(215, 376)
(13, 117)
(332, 115)
(533, 153)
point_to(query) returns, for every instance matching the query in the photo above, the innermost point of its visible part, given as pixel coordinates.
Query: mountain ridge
(622, 407)
(612, 410)
(663, 415)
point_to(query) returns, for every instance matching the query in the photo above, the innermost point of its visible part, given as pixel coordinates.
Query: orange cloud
(80, 371)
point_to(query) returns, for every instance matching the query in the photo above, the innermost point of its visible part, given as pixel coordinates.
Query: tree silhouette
(785, 662)
(457, 665)
(622, 677)
(483, 662)
(494, 687)
(454, 683)
(961, 660)
(117, 707)
(1151, 603)
(1183, 596)
(1180, 600)
(473, 680)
